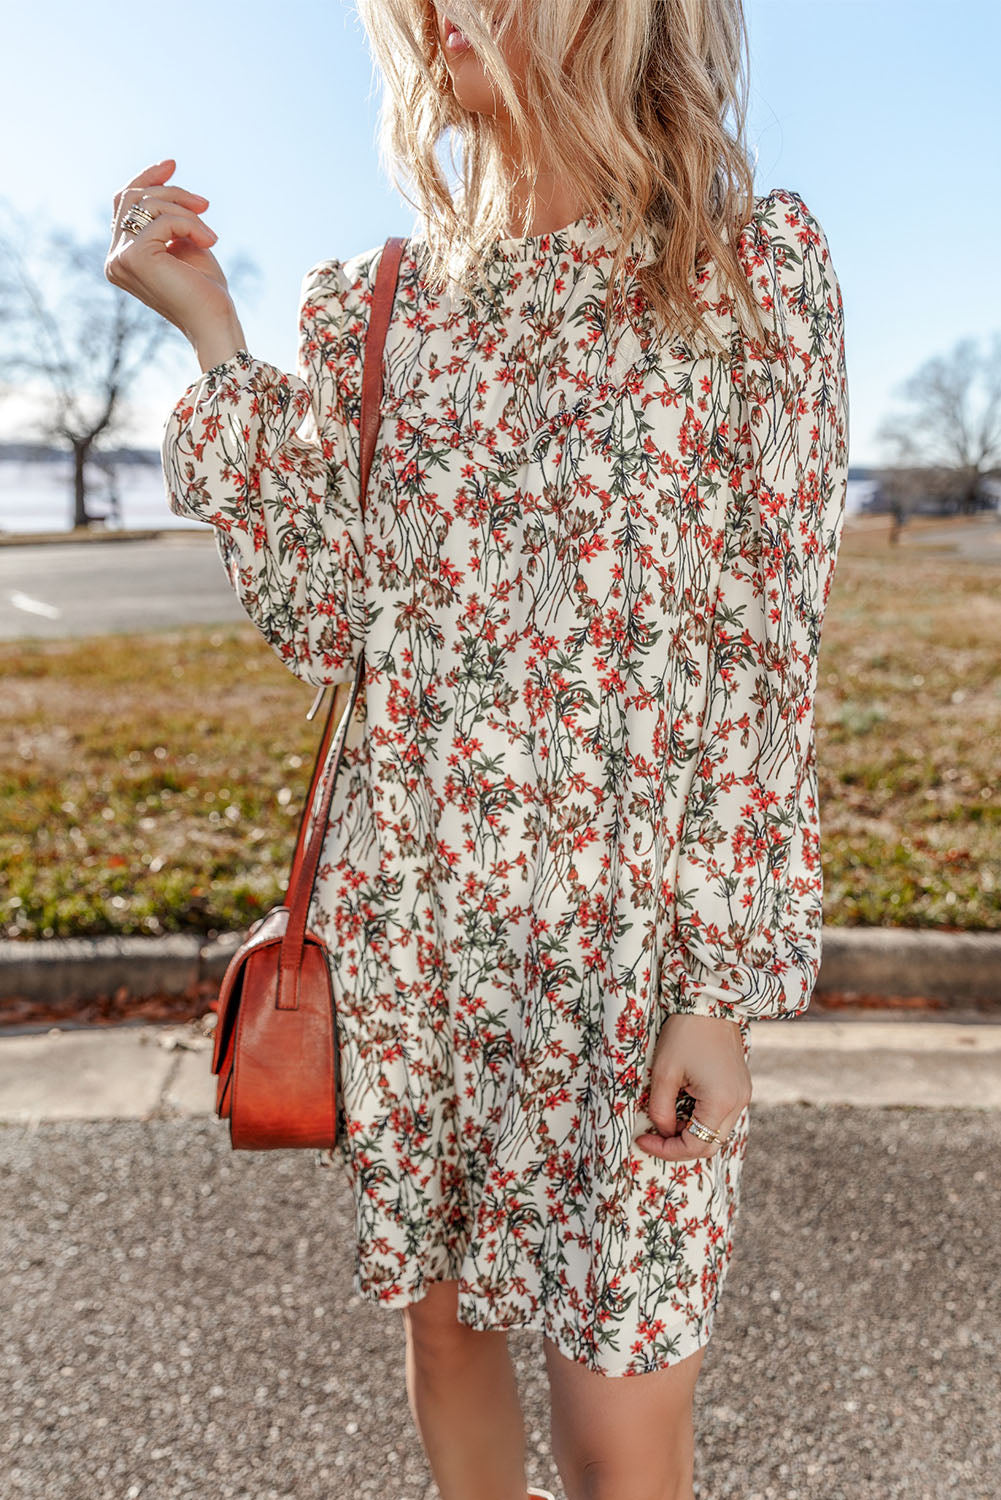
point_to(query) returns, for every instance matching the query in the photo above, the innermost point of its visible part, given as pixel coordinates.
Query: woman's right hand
(168, 264)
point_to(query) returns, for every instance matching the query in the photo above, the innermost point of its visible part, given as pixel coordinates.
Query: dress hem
(406, 1298)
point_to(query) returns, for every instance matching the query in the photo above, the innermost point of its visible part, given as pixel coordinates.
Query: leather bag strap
(305, 864)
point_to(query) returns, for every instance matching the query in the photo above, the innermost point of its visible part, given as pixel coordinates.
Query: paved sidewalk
(180, 1321)
(158, 1072)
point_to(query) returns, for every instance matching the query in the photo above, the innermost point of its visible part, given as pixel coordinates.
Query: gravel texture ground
(179, 1320)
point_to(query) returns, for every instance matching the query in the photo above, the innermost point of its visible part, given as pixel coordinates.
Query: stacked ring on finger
(703, 1133)
(137, 218)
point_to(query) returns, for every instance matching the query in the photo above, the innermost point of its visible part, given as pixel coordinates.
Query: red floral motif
(580, 790)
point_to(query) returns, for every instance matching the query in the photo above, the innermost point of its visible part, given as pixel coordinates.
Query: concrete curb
(164, 1072)
(954, 969)
(98, 534)
(64, 969)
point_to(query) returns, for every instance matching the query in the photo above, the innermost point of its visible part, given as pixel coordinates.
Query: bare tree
(949, 440)
(85, 342)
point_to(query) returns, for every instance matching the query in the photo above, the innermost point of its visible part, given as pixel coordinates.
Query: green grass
(154, 783)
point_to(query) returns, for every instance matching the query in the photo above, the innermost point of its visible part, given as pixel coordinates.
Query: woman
(575, 843)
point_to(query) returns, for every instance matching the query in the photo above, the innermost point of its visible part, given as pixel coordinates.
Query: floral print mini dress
(579, 788)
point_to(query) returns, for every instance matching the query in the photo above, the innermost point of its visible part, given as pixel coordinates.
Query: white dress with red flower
(579, 792)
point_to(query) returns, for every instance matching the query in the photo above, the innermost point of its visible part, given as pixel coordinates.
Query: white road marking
(33, 606)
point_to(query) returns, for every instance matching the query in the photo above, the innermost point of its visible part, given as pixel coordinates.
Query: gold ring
(137, 218)
(702, 1131)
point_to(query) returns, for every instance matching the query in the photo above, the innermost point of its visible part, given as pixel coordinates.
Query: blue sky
(877, 113)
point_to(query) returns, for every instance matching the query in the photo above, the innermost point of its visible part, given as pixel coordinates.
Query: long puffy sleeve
(748, 899)
(271, 460)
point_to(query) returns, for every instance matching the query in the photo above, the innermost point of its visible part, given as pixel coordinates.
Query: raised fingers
(155, 177)
(197, 202)
(148, 177)
(170, 221)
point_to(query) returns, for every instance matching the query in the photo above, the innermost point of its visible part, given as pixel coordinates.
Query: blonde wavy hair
(631, 99)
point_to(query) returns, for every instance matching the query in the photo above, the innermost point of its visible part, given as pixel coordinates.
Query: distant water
(39, 497)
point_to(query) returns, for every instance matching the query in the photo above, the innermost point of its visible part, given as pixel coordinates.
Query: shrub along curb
(952, 970)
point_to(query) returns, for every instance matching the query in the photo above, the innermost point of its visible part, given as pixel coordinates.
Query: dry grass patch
(151, 783)
(909, 729)
(154, 783)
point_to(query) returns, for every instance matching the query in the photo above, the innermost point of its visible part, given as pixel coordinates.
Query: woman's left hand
(705, 1056)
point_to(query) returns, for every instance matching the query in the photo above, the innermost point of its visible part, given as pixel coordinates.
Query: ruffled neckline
(580, 233)
(594, 229)
(582, 239)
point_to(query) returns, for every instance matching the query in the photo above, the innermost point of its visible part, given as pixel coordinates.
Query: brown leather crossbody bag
(275, 1048)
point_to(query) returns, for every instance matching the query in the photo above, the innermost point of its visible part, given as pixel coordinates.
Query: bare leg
(464, 1399)
(626, 1437)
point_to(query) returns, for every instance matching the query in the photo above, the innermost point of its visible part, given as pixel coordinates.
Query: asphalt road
(179, 1320)
(95, 588)
(57, 589)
